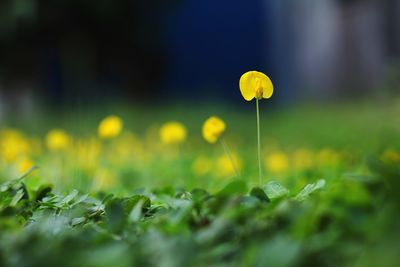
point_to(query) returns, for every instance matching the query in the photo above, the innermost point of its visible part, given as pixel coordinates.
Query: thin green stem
(181, 164)
(229, 154)
(258, 142)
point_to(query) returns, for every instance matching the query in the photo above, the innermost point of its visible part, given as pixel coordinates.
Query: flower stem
(229, 154)
(258, 142)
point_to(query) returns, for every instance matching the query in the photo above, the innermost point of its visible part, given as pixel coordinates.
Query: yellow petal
(173, 133)
(110, 127)
(277, 162)
(246, 86)
(213, 127)
(267, 86)
(251, 81)
(57, 139)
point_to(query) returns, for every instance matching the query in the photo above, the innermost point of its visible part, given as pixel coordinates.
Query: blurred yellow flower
(57, 139)
(86, 153)
(25, 165)
(225, 167)
(213, 127)
(10, 152)
(35, 145)
(105, 179)
(277, 162)
(173, 133)
(110, 127)
(328, 157)
(390, 156)
(128, 146)
(303, 159)
(201, 165)
(13, 144)
(255, 84)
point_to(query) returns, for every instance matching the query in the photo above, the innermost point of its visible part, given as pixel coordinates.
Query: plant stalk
(258, 142)
(229, 154)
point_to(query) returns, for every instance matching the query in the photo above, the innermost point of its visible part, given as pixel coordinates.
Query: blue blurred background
(74, 52)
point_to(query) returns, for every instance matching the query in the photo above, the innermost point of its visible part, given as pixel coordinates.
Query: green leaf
(79, 200)
(361, 177)
(77, 221)
(43, 191)
(28, 172)
(181, 211)
(136, 212)
(273, 189)
(310, 188)
(279, 251)
(131, 202)
(260, 194)
(17, 197)
(70, 197)
(199, 195)
(115, 215)
(107, 198)
(237, 187)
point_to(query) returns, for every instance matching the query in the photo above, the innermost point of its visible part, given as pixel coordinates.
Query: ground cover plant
(176, 187)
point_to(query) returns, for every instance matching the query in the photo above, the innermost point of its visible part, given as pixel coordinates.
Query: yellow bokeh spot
(225, 166)
(110, 127)
(128, 146)
(212, 129)
(173, 133)
(57, 139)
(255, 84)
(390, 156)
(10, 152)
(328, 157)
(25, 165)
(13, 145)
(86, 153)
(303, 159)
(277, 162)
(201, 165)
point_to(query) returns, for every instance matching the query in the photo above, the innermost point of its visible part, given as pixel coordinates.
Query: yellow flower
(303, 159)
(57, 139)
(277, 162)
(13, 145)
(213, 127)
(25, 165)
(201, 165)
(224, 165)
(86, 153)
(173, 133)
(255, 84)
(128, 146)
(390, 156)
(110, 127)
(9, 153)
(328, 157)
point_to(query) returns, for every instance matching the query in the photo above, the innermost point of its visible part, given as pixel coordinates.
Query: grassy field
(72, 196)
